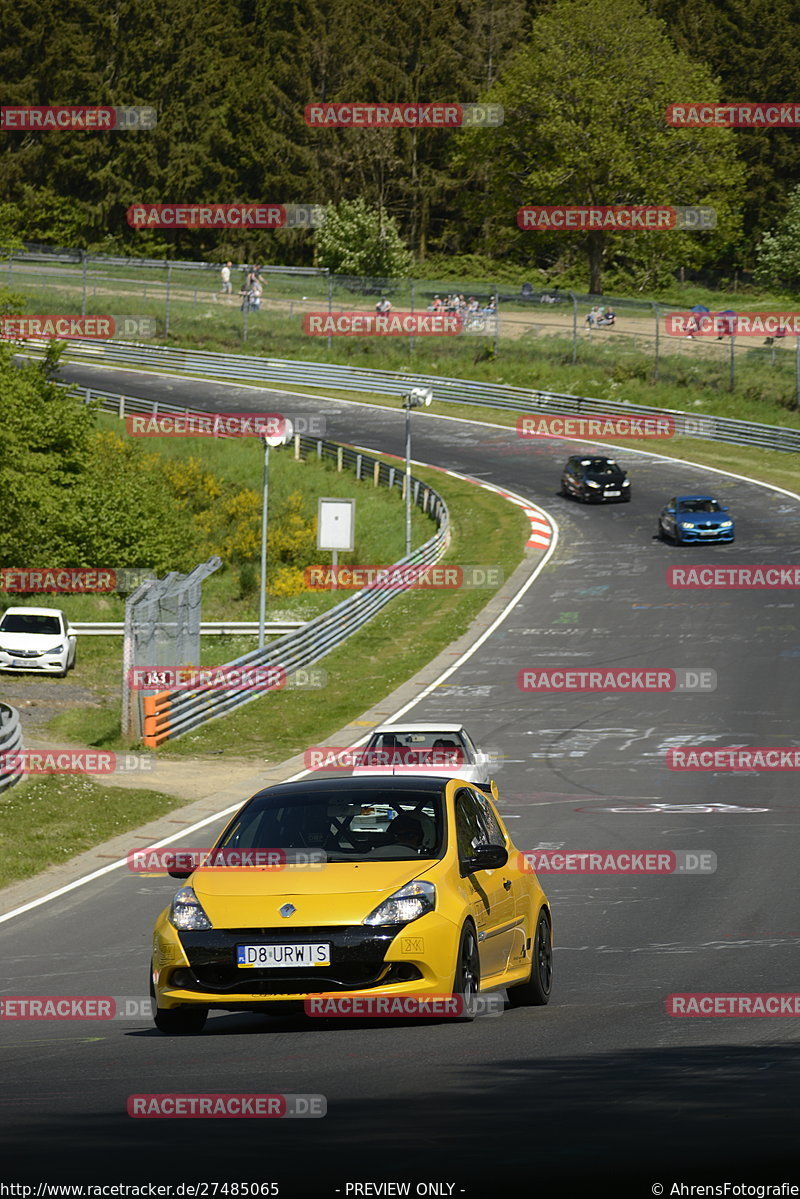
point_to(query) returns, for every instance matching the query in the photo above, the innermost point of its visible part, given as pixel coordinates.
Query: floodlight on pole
(416, 398)
(269, 439)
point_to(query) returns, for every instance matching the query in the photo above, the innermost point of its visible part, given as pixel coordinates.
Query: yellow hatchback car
(418, 891)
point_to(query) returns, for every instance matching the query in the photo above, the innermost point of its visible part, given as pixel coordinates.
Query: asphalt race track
(602, 1089)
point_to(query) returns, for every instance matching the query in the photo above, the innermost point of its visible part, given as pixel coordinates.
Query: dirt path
(39, 701)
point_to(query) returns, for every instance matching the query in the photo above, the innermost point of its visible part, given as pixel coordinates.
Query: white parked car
(440, 748)
(36, 639)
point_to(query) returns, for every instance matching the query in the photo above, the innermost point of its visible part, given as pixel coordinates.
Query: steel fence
(331, 376)
(10, 743)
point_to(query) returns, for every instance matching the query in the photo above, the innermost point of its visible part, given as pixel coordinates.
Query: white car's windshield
(19, 623)
(426, 740)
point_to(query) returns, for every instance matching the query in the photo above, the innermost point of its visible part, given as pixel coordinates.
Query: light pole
(416, 398)
(268, 439)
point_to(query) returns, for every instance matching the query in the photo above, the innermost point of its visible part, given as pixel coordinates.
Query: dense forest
(584, 85)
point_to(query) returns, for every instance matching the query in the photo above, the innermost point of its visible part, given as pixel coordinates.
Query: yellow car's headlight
(409, 903)
(187, 912)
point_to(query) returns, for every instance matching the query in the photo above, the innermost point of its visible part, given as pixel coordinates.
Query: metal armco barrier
(168, 714)
(10, 743)
(219, 628)
(65, 256)
(450, 391)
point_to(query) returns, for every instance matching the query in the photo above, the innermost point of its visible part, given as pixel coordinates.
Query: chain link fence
(162, 631)
(186, 301)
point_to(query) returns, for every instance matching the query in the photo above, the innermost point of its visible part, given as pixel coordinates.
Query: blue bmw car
(694, 518)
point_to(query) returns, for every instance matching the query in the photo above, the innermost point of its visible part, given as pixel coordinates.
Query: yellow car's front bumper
(199, 968)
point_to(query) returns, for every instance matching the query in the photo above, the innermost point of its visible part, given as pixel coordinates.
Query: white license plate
(21, 662)
(613, 493)
(709, 532)
(315, 954)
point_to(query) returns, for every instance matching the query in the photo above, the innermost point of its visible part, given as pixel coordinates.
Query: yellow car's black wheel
(467, 981)
(536, 991)
(177, 1021)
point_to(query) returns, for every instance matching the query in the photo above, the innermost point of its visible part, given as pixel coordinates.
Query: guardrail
(169, 714)
(449, 391)
(10, 743)
(63, 255)
(115, 628)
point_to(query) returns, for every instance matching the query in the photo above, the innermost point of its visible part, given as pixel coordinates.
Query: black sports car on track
(595, 480)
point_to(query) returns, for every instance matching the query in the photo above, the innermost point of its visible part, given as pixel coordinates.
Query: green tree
(420, 51)
(358, 240)
(753, 48)
(42, 215)
(778, 255)
(73, 496)
(584, 108)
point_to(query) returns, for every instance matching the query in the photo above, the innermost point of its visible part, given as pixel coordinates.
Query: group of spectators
(470, 310)
(252, 286)
(600, 317)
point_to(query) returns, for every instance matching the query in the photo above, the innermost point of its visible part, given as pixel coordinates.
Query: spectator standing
(256, 288)
(383, 306)
(225, 276)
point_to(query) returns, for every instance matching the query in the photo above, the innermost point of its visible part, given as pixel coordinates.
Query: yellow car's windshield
(374, 824)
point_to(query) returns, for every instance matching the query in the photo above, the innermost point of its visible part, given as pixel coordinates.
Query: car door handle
(507, 884)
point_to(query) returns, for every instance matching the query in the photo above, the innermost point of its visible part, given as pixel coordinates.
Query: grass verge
(48, 820)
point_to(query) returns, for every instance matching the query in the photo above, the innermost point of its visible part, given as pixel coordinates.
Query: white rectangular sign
(336, 524)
